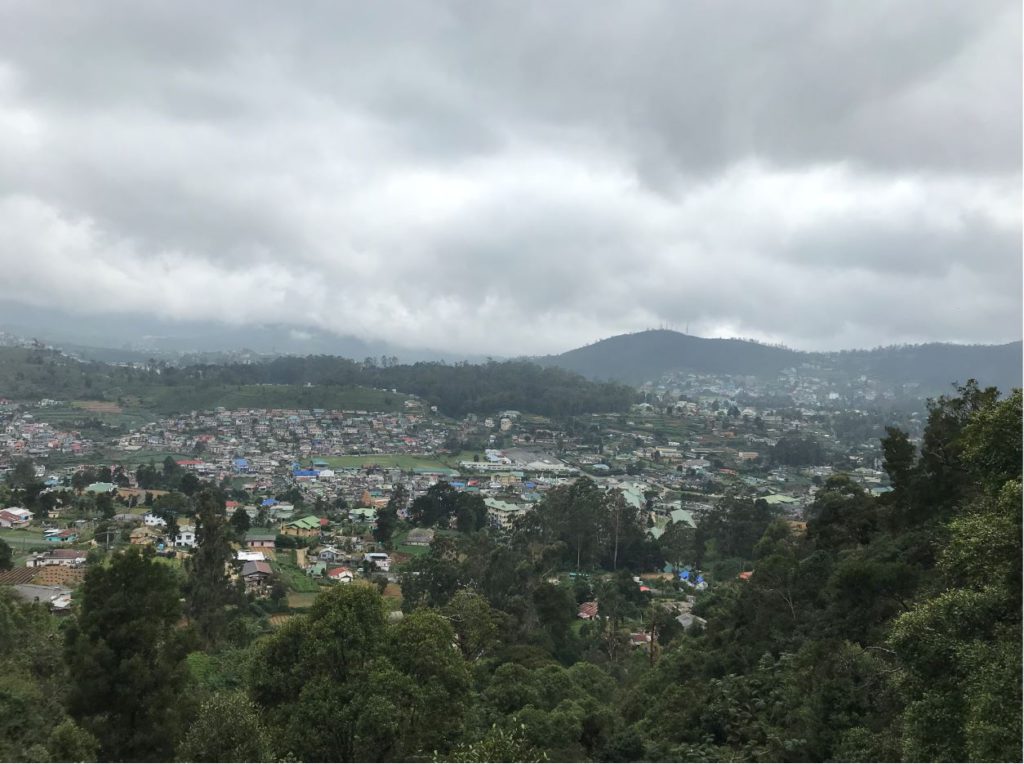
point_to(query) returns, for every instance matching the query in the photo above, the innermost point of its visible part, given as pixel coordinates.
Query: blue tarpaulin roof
(268, 502)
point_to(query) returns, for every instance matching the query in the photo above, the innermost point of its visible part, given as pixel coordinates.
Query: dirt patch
(393, 591)
(280, 619)
(99, 407)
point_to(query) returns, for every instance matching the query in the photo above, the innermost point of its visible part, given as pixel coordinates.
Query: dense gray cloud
(519, 177)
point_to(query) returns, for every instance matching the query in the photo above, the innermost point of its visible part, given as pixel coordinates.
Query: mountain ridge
(641, 357)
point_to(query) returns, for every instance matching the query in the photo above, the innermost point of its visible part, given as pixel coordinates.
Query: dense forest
(883, 629)
(455, 389)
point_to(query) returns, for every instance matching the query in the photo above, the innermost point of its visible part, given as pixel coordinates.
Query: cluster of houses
(257, 440)
(21, 435)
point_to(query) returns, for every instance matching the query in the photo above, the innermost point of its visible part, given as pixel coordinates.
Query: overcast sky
(519, 177)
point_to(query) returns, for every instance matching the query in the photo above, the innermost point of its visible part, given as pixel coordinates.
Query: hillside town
(322, 476)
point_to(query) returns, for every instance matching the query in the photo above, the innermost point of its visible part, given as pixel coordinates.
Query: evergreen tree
(127, 676)
(387, 518)
(240, 522)
(208, 589)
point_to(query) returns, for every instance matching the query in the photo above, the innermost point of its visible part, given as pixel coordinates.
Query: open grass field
(301, 599)
(95, 419)
(98, 407)
(462, 456)
(415, 551)
(144, 457)
(401, 461)
(23, 542)
(108, 456)
(23, 538)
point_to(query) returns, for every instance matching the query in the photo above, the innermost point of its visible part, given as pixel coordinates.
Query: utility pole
(107, 534)
(654, 637)
(615, 555)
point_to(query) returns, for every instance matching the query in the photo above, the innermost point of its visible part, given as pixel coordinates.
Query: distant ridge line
(646, 355)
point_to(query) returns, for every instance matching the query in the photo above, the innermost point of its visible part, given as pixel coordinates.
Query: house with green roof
(363, 514)
(303, 527)
(501, 514)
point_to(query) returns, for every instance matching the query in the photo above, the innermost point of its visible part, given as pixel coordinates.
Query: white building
(380, 559)
(15, 517)
(69, 558)
(186, 536)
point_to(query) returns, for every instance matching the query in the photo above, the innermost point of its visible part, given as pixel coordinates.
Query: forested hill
(644, 356)
(935, 365)
(639, 357)
(311, 381)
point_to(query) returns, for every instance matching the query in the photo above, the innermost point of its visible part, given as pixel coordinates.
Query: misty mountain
(645, 356)
(135, 337)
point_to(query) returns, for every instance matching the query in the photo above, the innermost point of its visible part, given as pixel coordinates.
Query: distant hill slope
(308, 382)
(638, 357)
(644, 356)
(937, 365)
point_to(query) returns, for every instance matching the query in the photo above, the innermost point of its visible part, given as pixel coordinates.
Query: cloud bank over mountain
(519, 178)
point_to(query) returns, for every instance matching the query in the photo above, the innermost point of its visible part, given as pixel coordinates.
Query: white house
(186, 536)
(154, 521)
(15, 517)
(344, 575)
(380, 559)
(70, 558)
(331, 554)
